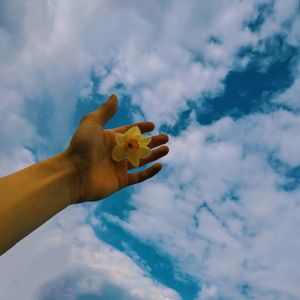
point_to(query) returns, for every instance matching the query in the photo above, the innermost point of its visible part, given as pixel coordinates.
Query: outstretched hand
(90, 152)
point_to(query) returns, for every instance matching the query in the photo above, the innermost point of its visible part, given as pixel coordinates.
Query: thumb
(104, 113)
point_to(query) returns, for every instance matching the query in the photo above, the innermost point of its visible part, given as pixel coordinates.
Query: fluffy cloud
(222, 212)
(49, 49)
(64, 260)
(291, 96)
(233, 208)
(194, 47)
(15, 132)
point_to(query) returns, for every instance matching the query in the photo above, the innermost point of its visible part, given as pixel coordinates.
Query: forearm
(30, 197)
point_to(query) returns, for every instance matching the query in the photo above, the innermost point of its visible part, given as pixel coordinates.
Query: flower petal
(144, 152)
(144, 140)
(133, 131)
(118, 153)
(133, 157)
(120, 139)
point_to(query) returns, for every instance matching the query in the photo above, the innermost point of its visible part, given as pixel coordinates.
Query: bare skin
(83, 172)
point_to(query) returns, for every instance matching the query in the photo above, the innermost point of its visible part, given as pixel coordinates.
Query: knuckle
(85, 118)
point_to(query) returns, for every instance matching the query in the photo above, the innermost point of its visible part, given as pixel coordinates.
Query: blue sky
(222, 78)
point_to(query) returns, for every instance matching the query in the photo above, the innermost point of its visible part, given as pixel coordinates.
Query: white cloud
(220, 212)
(291, 96)
(164, 75)
(276, 133)
(50, 47)
(66, 250)
(15, 133)
(208, 292)
(165, 54)
(283, 11)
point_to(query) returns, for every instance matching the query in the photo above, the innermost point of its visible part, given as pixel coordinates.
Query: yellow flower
(131, 144)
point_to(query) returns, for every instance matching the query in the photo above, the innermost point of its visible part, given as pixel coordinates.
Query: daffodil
(133, 145)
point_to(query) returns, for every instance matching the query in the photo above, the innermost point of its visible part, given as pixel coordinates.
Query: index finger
(144, 127)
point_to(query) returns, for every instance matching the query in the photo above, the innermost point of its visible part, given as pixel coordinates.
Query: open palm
(90, 153)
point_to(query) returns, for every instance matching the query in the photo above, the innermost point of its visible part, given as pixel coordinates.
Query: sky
(222, 78)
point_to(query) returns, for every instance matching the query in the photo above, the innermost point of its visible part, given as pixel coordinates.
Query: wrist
(71, 175)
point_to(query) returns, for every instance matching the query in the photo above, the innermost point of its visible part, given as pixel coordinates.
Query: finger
(144, 127)
(104, 113)
(140, 176)
(155, 155)
(158, 140)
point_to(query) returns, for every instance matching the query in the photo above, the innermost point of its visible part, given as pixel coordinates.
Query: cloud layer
(226, 210)
(223, 212)
(64, 259)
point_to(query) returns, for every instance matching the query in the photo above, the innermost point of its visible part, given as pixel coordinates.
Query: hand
(90, 152)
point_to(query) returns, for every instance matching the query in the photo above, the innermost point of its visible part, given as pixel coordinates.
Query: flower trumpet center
(133, 145)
